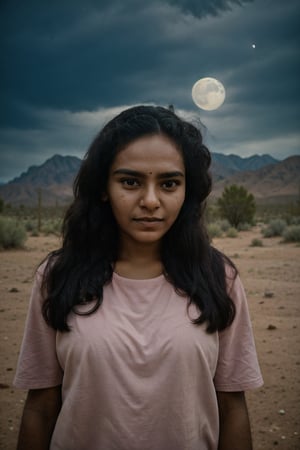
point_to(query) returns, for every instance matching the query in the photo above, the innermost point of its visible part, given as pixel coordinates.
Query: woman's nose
(150, 199)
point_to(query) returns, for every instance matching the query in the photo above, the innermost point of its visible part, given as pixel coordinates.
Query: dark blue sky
(69, 65)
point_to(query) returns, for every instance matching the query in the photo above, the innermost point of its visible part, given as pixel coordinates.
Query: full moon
(208, 93)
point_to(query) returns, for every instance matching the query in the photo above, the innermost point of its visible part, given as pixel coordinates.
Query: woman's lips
(148, 219)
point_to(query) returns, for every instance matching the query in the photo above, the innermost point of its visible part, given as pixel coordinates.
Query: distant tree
(237, 205)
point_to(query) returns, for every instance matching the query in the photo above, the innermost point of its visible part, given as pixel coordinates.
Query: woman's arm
(235, 431)
(39, 417)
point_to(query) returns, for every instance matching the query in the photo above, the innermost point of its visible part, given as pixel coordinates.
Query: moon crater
(208, 93)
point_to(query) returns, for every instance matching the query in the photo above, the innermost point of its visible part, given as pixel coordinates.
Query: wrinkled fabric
(137, 374)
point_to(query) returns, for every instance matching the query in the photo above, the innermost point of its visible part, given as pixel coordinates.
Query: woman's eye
(129, 182)
(170, 184)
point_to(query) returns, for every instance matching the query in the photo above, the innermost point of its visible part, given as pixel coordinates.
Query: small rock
(14, 290)
(271, 327)
(281, 412)
(268, 294)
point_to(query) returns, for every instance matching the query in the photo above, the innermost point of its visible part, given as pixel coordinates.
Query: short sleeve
(38, 366)
(237, 367)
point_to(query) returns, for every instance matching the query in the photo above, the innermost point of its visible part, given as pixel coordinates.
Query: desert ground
(271, 277)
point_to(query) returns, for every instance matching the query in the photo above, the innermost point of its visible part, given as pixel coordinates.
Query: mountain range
(267, 178)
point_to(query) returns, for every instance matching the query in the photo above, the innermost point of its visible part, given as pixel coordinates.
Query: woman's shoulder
(231, 272)
(46, 264)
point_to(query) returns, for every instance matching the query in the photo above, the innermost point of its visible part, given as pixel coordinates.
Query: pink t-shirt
(137, 374)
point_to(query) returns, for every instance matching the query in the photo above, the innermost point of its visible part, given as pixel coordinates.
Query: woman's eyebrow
(173, 174)
(135, 173)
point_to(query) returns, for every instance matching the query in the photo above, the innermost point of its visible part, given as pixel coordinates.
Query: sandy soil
(271, 278)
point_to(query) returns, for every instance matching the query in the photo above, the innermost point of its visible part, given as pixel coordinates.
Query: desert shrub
(224, 225)
(291, 233)
(232, 232)
(211, 212)
(294, 220)
(237, 205)
(244, 226)
(274, 228)
(256, 243)
(52, 227)
(30, 226)
(214, 230)
(12, 233)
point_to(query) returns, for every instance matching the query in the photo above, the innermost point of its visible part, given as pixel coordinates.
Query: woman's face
(146, 188)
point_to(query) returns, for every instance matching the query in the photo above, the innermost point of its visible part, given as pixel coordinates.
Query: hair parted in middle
(78, 271)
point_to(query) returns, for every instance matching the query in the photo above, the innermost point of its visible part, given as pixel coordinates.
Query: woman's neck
(139, 262)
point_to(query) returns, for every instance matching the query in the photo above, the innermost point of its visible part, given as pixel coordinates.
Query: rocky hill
(264, 176)
(224, 166)
(54, 179)
(276, 182)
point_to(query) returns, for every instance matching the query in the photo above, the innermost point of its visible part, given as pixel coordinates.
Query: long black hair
(78, 271)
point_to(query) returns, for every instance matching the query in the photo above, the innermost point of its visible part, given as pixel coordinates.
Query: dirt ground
(271, 278)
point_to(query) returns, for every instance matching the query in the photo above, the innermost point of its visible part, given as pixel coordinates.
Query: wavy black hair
(78, 271)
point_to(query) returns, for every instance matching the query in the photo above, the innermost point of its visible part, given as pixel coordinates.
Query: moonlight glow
(208, 93)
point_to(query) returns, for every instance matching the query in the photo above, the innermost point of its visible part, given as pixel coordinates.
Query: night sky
(69, 66)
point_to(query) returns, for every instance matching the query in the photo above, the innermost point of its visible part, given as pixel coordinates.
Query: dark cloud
(206, 7)
(77, 57)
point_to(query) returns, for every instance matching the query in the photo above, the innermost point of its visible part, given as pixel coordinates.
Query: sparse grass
(48, 226)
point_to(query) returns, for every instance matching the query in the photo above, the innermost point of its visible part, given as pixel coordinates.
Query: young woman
(138, 334)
